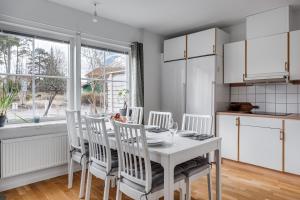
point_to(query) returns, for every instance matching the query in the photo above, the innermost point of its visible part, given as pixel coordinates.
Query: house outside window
(104, 74)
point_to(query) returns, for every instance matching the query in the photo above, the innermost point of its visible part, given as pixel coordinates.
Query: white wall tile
(299, 98)
(270, 107)
(260, 89)
(234, 90)
(292, 108)
(280, 89)
(292, 89)
(234, 98)
(280, 108)
(262, 107)
(251, 89)
(292, 98)
(270, 98)
(260, 98)
(250, 97)
(242, 98)
(270, 89)
(242, 90)
(280, 98)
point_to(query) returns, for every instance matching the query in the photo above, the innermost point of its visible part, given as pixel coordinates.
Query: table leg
(218, 174)
(168, 178)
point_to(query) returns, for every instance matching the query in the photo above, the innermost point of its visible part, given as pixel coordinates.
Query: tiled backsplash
(280, 98)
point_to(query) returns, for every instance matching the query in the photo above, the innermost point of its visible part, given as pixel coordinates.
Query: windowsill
(32, 129)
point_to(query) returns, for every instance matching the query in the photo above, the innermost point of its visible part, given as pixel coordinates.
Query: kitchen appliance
(194, 86)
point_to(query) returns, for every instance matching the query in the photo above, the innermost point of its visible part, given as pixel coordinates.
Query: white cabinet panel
(267, 57)
(234, 62)
(292, 146)
(295, 55)
(173, 88)
(268, 23)
(261, 145)
(228, 131)
(202, 43)
(175, 48)
(201, 73)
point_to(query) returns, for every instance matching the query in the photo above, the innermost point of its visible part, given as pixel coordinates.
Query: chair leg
(106, 188)
(119, 193)
(82, 181)
(188, 189)
(70, 174)
(182, 191)
(209, 186)
(88, 186)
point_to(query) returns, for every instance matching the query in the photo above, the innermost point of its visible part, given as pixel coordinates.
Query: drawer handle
(214, 49)
(281, 134)
(286, 66)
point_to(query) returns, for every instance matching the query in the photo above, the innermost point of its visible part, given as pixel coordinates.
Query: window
(38, 68)
(104, 76)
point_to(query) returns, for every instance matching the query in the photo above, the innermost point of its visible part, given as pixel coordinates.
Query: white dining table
(176, 150)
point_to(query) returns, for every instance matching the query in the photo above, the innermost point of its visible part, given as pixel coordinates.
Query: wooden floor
(240, 182)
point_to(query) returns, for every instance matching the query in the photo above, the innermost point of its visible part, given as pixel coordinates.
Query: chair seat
(191, 165)
(157, 179)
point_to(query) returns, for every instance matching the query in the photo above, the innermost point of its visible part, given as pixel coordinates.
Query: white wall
(152, 65)
(236, 32)
(49, 13)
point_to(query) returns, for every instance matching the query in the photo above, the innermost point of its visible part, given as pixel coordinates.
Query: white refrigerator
(194, 86)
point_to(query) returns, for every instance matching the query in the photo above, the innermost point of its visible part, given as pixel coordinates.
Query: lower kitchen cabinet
(228, 130)
(261, 142)
(292, 146)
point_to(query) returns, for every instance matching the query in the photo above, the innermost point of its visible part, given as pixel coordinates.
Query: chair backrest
(74, 127)
(202, 124)
(136, 115)
(133, 154)
(99, 148)
(161, 119)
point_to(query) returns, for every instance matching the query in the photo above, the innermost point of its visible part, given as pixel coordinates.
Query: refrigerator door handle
(213, 83)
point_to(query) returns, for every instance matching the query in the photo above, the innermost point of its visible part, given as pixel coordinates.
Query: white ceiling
(169, 17)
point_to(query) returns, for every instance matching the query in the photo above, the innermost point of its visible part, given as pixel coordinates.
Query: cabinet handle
(286, 66)
(237, 121)
(214, 49)
(184, 54)
(281, 134)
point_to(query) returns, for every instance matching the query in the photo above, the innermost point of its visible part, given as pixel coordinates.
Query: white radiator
(22, 155)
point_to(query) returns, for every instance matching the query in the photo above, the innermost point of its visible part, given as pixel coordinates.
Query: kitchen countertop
(291, 116)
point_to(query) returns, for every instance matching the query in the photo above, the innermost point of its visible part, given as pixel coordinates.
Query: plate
(154, 141)
(150, 126)
(186, 133)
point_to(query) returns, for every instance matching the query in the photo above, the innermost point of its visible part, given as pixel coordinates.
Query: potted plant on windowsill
(6, 99)
(123, 95)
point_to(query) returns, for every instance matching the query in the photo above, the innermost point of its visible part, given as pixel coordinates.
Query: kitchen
(212, 95)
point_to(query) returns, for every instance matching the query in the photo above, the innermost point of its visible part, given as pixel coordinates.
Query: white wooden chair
(135, 114)
(202, 124)
(139, 178)
(103, 162)
(161, 119)
(77, 148)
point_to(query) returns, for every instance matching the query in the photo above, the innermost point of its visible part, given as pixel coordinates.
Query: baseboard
(33, 177)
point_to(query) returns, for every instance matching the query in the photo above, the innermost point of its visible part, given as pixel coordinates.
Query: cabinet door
(294, 55)
(227, 129)
(267, 57)
(201, 85)
(175, 48)
(261, 146)
(173, 88)
(201, 43)
(234, 62)
(292, 146)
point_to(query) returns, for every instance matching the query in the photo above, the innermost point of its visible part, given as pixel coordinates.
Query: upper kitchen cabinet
(206, 42)
(267, 57)
(234, 62)
(268, 23)
(294, 55)
(175, 48)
